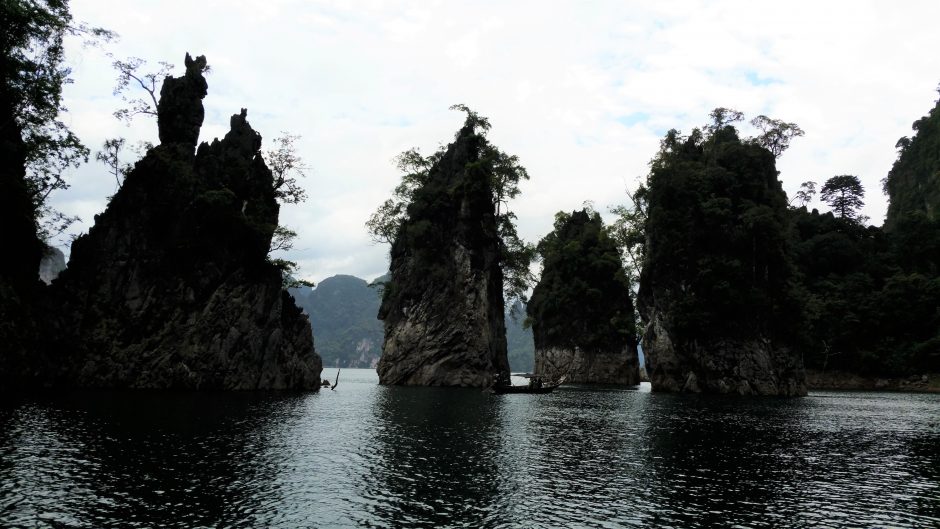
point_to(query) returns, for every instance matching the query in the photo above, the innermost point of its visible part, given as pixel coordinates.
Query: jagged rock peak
(180, 112)
(171, 287)
(244, 139)
(443, 307)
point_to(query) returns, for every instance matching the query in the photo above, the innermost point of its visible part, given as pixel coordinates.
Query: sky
(582, 92)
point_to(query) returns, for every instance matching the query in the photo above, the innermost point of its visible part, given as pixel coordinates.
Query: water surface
(371, 456)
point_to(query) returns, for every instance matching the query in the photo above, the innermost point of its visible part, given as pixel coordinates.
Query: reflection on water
(119, 459)
(435, 459)
(373, 456)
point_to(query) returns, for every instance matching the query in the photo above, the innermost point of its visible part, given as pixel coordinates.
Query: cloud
(580, 92)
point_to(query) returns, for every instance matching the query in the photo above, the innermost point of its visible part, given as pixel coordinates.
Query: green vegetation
(342, 313)
(583, 297)
(422, 199)
(710, 220)
(844, 194)
(913, 184)
(31, 61)
(717, 229)
(873, 294)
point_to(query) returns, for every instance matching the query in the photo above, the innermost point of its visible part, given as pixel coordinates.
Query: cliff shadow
(154, 459)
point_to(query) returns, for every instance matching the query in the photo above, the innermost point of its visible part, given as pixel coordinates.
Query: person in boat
(535, 382)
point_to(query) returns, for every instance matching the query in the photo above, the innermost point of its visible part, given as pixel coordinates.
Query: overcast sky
(580, 91)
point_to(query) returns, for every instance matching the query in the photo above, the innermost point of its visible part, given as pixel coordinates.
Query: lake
(372, 456)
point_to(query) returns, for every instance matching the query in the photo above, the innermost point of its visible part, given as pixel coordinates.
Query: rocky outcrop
(743, 367)
(18, 236)
(171, 287)
(180, 112)
(913, 184)
(19, 283)
(581, 310)
(443, 306)
(717, 294)
(588, 367)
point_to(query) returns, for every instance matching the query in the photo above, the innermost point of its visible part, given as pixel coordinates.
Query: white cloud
(363, 81)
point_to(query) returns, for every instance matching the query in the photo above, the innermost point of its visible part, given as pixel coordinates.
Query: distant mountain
(52, 264)
(519, 342)
(347, 333)
(342, 312)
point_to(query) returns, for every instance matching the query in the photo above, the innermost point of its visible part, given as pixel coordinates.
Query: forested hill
(343, 312)
(873, 292)
(519, 343)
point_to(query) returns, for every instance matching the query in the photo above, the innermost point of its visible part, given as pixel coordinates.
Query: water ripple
(368, 456)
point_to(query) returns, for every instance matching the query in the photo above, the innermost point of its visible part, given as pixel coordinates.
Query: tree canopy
(717, 235)
(775, 135)
(844, 194)
(913, 184)
(871, 295)
(33, 74)
(502, 172)
(583, 296)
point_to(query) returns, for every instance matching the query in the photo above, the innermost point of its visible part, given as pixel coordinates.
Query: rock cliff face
(589, 367)
(19, 281)
(171, 287)
(443, 307)
(743, 367)
(17, 215)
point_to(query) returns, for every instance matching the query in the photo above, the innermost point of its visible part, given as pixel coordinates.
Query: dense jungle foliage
(718, 257)
(873, 293)
(583, 297)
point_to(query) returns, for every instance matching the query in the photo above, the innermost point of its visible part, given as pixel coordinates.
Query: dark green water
(421, 457)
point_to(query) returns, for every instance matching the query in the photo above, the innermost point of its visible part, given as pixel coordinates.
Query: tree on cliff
(110, 156)
(628, 230)
(130, 75)
(844, 194)
(504, 172)
(32, 73)
(443, 305)
(804, 196)
(286, 165)
(913, 184)
(775, 135)
(583, 296)
(717, 230)
(718, 293)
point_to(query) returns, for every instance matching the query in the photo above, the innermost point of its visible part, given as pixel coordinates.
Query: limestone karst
(171, 287)
(443, 305)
